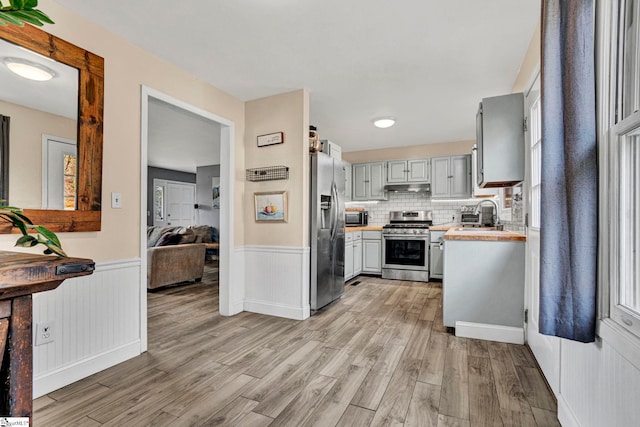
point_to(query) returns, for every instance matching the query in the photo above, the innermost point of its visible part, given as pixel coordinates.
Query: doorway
(59, 179)
(173, 203)
(230, 301)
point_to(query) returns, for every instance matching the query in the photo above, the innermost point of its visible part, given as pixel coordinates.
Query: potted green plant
(20, 11)
(39, 235)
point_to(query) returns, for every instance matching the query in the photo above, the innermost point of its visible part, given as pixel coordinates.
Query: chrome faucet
(495, 205)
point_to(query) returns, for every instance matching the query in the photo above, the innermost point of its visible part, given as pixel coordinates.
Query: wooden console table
(22, 275)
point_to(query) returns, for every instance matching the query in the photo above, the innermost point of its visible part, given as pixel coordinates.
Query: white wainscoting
(97, 325)
(277, 281)
(598, 387)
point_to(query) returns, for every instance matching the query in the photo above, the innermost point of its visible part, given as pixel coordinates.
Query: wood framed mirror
(87, 213)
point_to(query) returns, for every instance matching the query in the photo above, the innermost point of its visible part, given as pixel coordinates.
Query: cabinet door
(435, 261)
(360, 181)
(397, 171)
(357, 257)
(419, 170)
(376, 180)
(372, 256)
(348, 261)
(440, 181)
(461, 176)
(347, 181)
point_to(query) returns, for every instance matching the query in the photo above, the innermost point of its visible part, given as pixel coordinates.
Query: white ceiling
(426, 62)
(57, 96)
(181, 140)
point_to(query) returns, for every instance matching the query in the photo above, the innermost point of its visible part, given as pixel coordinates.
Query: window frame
(609, 67)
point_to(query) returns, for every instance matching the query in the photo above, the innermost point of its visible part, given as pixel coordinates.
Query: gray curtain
(4, 157)
(569, 205)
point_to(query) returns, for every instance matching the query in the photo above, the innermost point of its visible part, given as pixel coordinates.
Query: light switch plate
(116, 200)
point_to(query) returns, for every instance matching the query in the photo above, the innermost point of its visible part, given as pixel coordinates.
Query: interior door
(180, 199)
(58, 173)
(546, 349)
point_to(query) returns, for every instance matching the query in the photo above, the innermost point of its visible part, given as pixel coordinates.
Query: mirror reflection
(41, 113)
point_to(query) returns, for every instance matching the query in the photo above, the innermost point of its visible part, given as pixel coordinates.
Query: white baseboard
(59, 378)
(487, 332)
(566, 417)
(279, 310)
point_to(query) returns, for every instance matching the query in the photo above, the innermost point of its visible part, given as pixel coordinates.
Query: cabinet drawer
(372, 235)
(348, 237)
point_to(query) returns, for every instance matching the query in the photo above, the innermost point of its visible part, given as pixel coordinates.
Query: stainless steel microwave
(356, 218)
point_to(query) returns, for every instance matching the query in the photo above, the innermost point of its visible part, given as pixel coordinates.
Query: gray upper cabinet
(451, 177)
(368, 181)
(403, 171)
(500, 141)
(347, 180)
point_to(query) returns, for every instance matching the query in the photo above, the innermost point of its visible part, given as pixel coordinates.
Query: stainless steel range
(405, 246)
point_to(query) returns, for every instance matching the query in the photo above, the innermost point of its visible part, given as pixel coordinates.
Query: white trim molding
(277, 281)
(96, 325)
(483, 331)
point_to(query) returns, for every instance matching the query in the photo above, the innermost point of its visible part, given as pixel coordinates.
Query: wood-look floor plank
(298, 410)
(356, 416)
(254, 420)
(484, 407)
(423, 408)
(521, 356)
(333, 405)
(432, 368)
(535, 387)
(446, 421)
(375, 384)
(454, 400)
(383, 338)
(545, 418)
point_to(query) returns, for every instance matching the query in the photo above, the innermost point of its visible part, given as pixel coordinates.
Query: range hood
(409, 188)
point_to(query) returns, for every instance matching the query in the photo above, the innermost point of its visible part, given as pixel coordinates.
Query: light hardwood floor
(379, 356)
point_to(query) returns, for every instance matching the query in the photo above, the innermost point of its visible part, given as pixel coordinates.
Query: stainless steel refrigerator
(327, 230)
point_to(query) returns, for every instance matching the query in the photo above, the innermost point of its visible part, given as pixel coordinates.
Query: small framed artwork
(270, 206)
(270, 139)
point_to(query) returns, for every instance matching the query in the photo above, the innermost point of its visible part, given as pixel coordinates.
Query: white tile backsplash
(444, 211)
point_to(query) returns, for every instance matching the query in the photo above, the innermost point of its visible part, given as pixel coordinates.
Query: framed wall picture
(270, 206)
(270, 139)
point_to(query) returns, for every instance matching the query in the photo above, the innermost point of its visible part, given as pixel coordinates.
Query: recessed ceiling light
(29, 70)
(384, 122)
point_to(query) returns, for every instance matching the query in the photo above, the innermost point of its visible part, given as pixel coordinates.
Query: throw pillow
(188, 236)
(203, 233)
(169, 239)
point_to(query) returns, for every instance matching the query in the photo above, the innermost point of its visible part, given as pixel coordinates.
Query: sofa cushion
(169, 239)
(187, 236)
(203, 233)
(154, 233)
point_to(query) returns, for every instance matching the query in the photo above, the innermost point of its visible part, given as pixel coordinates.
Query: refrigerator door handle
(334, 213)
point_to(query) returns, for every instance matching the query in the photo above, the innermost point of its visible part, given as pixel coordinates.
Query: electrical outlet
(44, 332)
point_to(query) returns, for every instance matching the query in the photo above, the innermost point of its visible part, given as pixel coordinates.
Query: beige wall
(288, 113)
(25, 151)
(410, 152)
(529, 64)
(126, 68)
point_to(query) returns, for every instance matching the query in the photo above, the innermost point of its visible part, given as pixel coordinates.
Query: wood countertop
(442, 227)
(363, 228)
(476, 234)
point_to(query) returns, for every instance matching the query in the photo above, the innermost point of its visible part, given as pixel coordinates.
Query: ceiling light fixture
(384, 122)
(29, 70)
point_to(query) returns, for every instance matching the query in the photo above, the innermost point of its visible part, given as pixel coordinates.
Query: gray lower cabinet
(436, 250)
(483, 283)
(352, 254)
(451, 177)
(372, 252)
(368, 181)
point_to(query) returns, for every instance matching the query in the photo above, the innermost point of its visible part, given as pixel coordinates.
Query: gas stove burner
(410, 225)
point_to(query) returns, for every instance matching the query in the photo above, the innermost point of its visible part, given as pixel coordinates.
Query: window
(536, 161)
(624, 151)
(69, 176)
(619, 146)
(158, 203)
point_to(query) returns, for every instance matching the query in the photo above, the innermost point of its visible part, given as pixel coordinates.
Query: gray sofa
(175, 254)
